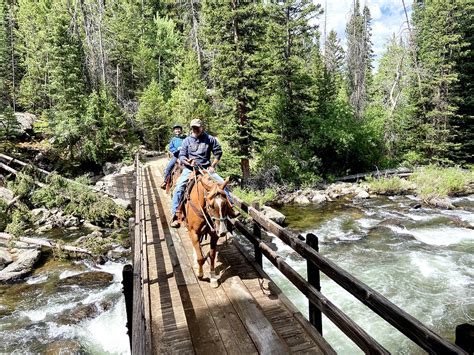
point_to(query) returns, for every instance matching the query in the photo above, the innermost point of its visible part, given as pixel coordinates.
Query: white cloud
(387, 18)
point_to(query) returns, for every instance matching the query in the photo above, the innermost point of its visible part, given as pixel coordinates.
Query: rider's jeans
(181, 186)
(169, 167)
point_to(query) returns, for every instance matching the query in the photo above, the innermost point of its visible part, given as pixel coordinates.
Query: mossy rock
(91, 279)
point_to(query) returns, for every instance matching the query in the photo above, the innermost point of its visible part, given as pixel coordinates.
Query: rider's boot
(174, 222)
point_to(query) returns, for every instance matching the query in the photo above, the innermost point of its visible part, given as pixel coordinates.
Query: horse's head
(218, 207)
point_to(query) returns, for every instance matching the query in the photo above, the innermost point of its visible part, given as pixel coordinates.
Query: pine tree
(152, 116)
(359, 56)
(334, 57)
(5, 62)
(232, 33)
(292, 36)
(440, 45)
(66, 85)
(33, 35)
(189, 99)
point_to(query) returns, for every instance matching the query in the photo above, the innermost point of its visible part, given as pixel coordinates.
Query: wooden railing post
(465, 337)
(257, 231)
(315, 317)
(127, 282)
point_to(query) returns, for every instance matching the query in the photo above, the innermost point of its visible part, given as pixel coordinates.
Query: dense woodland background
(288, 104)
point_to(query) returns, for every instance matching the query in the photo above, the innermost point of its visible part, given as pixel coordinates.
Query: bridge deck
(185, 315)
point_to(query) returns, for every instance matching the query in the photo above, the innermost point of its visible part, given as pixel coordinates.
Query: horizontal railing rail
(404, 322)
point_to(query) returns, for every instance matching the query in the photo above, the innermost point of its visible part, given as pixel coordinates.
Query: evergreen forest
(289, 104)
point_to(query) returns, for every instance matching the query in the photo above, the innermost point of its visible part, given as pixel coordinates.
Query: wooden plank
(169, 323)
(204, 333)
(264, 336)
(233, 333)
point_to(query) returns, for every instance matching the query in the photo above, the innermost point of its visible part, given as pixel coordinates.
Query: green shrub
(389, 185)
(4, 217)
(22, 186)
(77, 199)
(437, 181)
(250, 196)
(20, 221)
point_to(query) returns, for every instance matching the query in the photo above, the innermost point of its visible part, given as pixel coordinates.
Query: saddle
(192, 179)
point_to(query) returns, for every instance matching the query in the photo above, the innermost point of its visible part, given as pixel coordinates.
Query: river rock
(91, 226)
(71, 221)
(318, 198)
(273, 214)
(21, 267)
(78, 314)
(88, 279)
(6, 194)
(5, 258)
(62, 347)
(44, 228)
(85, 238)
(111, 168)
(361, 194)
(40, 215)
(440, 202)
(121, 202)
(302, 200)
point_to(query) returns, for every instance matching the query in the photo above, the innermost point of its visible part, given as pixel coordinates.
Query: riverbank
(432, 186)
(58, 212)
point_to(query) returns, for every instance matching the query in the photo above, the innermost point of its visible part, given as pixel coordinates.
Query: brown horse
(207, 209)
(174, 176)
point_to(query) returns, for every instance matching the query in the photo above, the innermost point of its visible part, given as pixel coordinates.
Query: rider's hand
(211, 170)
(192, 162)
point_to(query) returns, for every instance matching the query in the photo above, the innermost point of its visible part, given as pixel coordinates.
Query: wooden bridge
(171, 311)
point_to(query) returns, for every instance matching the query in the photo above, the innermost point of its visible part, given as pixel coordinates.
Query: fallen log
(15, 172)
(9, 159)
(401, 172)
(45, 243)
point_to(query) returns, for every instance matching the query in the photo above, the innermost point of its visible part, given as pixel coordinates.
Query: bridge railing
(405, 323)
(132, 274)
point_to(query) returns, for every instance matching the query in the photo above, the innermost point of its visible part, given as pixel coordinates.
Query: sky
(387, 18)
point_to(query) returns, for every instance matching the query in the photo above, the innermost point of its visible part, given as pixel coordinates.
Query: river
(40, 315)
(421, 259)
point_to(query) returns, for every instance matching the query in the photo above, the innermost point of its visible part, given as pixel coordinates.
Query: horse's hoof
(214, 283)
(200, 275)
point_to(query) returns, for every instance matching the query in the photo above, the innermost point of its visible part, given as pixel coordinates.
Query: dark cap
(176, 125)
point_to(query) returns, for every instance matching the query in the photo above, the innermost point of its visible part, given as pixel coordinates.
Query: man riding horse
(196, 152)
(174, 147)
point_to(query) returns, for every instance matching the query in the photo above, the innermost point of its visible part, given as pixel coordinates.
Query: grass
(429, 181)
(434, 181)
(250, 196)
(389, 185)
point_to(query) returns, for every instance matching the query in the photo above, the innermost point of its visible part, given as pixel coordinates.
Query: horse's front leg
(198, 253)
(212, 256)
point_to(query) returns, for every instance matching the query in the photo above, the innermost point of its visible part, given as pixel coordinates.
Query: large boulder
(5, 258)
(23, 266)
(88, 279)
(273, 214)
(6, 194)
(26, 121)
